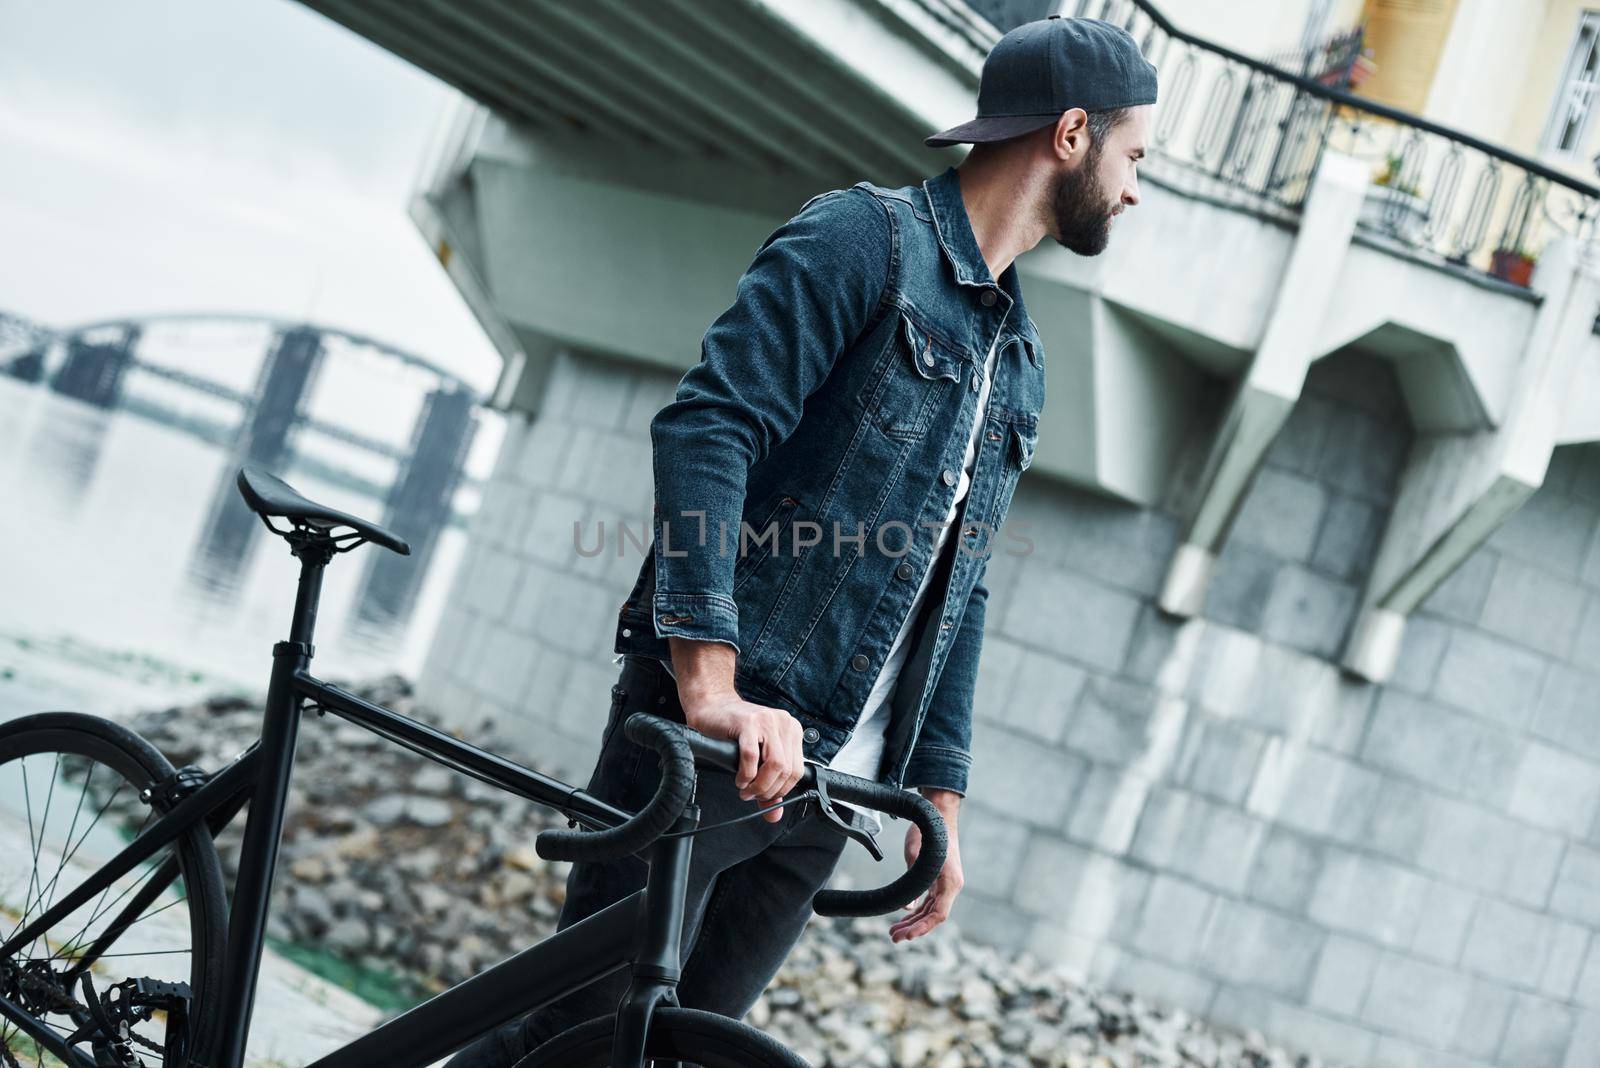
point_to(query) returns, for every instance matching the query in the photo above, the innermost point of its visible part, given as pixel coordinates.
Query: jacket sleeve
(813, 286)
(942, 755)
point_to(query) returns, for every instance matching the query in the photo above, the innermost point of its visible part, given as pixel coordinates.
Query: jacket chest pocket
(917, 373)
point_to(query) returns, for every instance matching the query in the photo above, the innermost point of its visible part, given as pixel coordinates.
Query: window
(1573, 109)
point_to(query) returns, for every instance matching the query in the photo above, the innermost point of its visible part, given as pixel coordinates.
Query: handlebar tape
(671, 797)
(916, 879)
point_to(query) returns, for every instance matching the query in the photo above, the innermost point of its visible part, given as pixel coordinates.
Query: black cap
(1051, 65)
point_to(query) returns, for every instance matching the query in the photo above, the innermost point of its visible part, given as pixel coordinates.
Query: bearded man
(864, 409)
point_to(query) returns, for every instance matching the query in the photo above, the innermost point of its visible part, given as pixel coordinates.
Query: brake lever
(849, 829)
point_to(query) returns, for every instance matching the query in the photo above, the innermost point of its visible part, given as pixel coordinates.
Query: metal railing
(1245, 130)
(1331, 61)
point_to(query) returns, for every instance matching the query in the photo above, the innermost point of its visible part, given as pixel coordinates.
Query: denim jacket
(804, 464)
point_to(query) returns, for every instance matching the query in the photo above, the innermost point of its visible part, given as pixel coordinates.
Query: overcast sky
(218, 155)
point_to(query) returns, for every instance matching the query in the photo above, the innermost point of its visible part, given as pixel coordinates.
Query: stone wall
(527, 630)
(1206, 812)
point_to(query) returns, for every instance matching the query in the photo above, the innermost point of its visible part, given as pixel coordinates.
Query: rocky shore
(398, 865)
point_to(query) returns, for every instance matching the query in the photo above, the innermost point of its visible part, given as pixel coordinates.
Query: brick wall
(1206, 812)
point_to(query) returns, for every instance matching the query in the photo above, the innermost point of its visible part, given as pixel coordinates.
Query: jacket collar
(954, 231)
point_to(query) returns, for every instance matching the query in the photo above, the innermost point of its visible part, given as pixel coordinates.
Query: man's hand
(934, 908)
(771, 753)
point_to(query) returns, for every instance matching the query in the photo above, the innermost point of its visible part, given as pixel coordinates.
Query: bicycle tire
(689, 1036)
(139, 763)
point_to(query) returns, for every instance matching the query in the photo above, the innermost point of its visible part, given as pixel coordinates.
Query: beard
(1082, 215)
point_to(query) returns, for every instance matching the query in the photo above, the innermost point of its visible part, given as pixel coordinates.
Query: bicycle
(196, 1012)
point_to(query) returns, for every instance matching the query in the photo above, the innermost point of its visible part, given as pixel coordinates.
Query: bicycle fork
(658, 963)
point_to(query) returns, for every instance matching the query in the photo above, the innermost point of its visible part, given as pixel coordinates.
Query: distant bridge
(92, 363)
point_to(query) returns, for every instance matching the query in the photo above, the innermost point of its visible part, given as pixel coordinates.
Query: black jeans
(749, 887)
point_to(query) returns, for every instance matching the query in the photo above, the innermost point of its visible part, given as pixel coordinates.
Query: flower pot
(1511, 265)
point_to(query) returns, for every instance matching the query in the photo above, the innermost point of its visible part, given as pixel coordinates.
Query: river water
(132, 575)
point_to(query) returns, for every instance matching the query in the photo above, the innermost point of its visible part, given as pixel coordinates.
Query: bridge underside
(800, 87)
(612, 194)
(1213, 791)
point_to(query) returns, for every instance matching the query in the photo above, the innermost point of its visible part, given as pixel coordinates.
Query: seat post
(314, 551)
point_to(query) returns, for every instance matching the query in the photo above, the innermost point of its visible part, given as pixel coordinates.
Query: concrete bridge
(1289, 719)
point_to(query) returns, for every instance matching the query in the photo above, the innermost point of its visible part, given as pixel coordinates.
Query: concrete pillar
(419, 503)
(94, 370)
(287, 375)
(1268, 391)
(28, 365)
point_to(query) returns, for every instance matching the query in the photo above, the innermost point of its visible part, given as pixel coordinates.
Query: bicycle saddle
(268, 496)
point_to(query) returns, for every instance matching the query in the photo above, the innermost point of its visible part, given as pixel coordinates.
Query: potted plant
(1514, 264)
(1392, 205)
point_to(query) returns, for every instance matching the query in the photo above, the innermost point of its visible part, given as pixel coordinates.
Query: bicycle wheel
(70, 798)
(689, 1036)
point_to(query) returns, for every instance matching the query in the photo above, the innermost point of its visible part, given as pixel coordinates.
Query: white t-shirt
(863, 750)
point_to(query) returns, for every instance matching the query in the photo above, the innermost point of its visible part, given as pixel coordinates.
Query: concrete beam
(1276, 375)
(1458, 488)
(610, 267)
(445, 212)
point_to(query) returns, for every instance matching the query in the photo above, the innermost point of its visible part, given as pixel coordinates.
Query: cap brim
(991, 128)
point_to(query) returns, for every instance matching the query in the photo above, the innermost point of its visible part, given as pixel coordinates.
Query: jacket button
(973, 381)
(811, 734)
(859, 661)
(988, 298)
(903, 571)
(627, 632)
(949, 477)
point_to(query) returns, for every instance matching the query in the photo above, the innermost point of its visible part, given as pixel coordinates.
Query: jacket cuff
(701, 616)
(939, 767)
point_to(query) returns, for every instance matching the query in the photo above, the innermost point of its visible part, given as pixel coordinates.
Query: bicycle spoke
(44, 904)
(107, 890)
(131, 914)
(82, 838)
(27, 801)
(98, 912)
(84, 930)
(112, 932)
(67, 841)
(44, 821)
(95, 822)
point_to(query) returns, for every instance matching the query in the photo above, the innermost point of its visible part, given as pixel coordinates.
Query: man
(828, 480)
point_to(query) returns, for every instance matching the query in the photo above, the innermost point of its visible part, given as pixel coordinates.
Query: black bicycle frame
(643, 929)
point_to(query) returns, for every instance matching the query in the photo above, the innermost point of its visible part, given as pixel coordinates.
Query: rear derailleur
(133, 1001)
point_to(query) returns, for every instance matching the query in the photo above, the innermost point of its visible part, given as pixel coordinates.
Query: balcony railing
(1243, 129)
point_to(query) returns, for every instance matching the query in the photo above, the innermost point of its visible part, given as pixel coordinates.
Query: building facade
(1291, 715)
